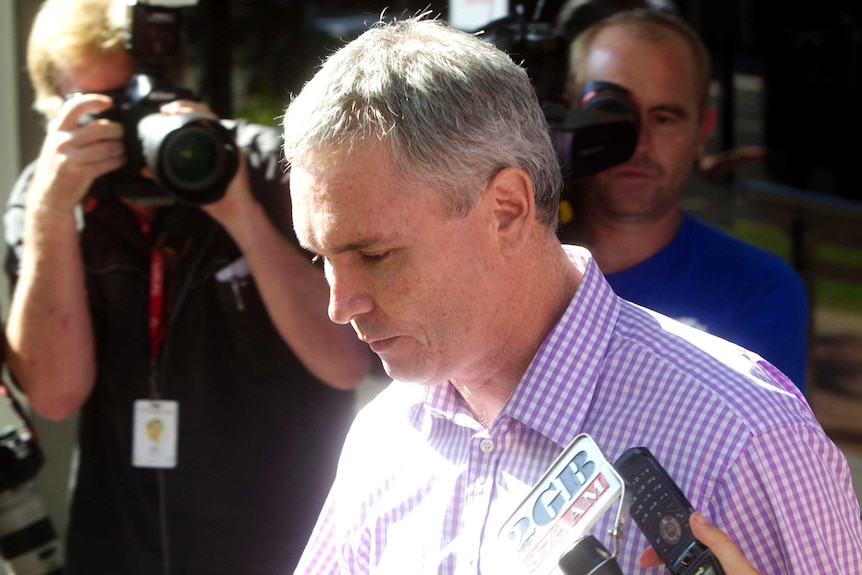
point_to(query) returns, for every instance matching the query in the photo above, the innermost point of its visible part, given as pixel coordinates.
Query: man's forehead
(314, 181)
(323, 164)
(359, 201)
(662, 62)
(309, 207)
(342, 201)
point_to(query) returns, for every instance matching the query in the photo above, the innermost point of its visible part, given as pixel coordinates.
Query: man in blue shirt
(631, 218)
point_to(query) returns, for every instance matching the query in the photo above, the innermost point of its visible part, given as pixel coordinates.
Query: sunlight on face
(411, 281)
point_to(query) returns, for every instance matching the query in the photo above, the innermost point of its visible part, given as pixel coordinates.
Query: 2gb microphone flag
(568, 500)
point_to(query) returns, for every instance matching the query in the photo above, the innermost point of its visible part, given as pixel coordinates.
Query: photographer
(203, 321)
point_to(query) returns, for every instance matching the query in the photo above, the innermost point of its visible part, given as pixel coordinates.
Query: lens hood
(191, 156)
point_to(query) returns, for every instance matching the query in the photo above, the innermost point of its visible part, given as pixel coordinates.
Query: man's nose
(347, 297)
(644, 142)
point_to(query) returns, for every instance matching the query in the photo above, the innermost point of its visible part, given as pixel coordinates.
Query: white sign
(471, 15)
(563, 506)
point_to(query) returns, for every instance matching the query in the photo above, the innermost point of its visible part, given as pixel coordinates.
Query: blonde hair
(68, 33)
(65, 34)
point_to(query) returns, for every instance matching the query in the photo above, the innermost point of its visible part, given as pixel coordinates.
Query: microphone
(548, 533)
(589, 557)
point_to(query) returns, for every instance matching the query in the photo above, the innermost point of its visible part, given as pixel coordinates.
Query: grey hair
(453, 109)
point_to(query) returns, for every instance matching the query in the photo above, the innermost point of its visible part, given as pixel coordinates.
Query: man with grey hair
(424, 177)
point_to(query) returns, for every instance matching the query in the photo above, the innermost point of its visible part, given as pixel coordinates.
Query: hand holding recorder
(725, 550)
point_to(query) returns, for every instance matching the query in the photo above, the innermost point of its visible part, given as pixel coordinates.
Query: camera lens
(600, 134)
(191, 159)
(28, 541)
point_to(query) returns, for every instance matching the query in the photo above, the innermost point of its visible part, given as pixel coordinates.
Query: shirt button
(486, 445)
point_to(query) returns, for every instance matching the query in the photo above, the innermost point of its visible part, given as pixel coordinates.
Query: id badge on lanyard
(155, 424)
(155, 421)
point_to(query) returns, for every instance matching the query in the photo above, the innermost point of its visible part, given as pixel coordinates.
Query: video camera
(192, 157)
(599, 134)
(602, 131)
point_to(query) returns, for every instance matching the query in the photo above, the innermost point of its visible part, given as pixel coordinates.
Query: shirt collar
(554, 395)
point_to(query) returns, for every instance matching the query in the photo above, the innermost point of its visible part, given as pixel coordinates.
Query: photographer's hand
(238, 195)
(74, 155)
(728, 554)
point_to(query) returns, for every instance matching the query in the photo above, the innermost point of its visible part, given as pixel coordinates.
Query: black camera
(192, 157)
(28, 541)
(602, 131)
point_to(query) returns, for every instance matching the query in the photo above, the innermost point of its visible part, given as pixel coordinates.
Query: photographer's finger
(71, 149)
(237, 194)
(78, 108)
(187, 107)
(725, 550)
(68, 165)
(97, 131)
(650, 558)
(102, 157)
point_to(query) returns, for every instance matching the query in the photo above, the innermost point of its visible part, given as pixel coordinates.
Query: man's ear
(513, 204)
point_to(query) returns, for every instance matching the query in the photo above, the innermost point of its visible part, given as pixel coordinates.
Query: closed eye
(668, 118)
(668, 115)
(317, 259)
(374, 257)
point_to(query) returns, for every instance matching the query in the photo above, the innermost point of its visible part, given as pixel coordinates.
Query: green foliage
(838, 295)
(767, 236)
(262, 109)
(829, 293)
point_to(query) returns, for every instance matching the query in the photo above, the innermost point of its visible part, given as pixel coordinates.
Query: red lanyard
(156, 325)
(157, 302)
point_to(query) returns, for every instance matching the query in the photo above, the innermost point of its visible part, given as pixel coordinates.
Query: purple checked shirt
(422, 488)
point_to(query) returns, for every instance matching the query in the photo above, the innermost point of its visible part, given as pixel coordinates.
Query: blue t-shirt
(707, 278)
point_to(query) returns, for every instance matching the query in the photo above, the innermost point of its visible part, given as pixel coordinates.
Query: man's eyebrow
(674, 109)
(358, 245)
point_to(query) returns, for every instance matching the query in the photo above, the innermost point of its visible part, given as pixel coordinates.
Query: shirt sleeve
(13, 224)
(788, 503)
(319, 555)
(339, 544)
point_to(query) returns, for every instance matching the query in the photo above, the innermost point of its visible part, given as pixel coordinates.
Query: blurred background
(787, 83)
